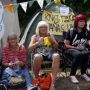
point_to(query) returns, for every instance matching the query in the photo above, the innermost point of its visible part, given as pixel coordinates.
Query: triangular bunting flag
(24, 6)
(15, 7)
(48, 1)
(31, 2)
(10, 7)
(40, 2)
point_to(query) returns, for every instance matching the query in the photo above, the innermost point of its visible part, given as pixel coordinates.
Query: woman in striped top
(14, 60)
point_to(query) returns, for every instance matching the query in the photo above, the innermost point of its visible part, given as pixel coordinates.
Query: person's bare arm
(53, 41)
(33, 44)
(8, 64)
(68, 46)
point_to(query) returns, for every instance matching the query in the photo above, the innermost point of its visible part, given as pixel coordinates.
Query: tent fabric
(30, 27)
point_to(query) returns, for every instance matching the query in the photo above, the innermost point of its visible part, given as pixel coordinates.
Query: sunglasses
(12, 38)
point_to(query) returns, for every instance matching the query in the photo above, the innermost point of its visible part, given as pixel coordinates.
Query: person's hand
(40, 39)
(51, 39)
(11, 64)
(18, 63)
(80, 48)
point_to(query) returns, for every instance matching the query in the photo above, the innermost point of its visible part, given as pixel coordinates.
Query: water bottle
(16, 67)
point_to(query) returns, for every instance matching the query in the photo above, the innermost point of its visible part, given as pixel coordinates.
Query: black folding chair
(66, 57)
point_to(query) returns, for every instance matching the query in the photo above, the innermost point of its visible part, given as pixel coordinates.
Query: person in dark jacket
(76, 46)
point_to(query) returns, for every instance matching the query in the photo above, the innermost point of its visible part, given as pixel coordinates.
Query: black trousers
(79, 57)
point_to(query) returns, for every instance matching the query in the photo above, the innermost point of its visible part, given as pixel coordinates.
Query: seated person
(14, 58)
(76, 45)
(44, 47)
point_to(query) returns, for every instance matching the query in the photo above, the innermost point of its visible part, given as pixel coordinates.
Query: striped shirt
(9, 56)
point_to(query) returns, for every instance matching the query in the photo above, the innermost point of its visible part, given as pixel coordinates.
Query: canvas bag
(3, 87)
(16, 82)
(43, 81)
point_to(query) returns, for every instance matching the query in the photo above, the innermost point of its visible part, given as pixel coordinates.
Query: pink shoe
(84, 76)
(73, 79)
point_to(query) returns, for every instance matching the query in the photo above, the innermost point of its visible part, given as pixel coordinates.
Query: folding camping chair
(67, 58)
(46, 67)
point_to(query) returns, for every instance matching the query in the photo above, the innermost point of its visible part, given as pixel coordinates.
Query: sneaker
(84, 76)
(3, 87)
(52, 87)
(31, 87)
(73, 79)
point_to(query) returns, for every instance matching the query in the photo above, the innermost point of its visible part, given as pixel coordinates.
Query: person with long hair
(76, 46)
(44, 47)
(14, 61)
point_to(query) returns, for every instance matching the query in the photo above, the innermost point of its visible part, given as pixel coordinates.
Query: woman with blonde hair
(44, 51)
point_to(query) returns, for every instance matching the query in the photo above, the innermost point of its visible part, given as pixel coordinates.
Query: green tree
(23, 17)
(79, 6)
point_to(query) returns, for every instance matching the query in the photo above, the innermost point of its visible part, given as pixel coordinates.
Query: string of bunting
(13, 7)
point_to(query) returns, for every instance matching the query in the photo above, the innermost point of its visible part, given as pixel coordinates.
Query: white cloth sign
(1, 21)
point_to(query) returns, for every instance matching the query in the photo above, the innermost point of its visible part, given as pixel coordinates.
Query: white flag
(1, 21)
(24, 6)
(40, 2)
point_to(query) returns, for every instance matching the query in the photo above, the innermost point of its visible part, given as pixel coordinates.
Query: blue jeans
(48, 57)
(24, 71)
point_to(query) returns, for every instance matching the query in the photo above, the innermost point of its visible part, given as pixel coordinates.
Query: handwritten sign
(1, 21)
(58, 22)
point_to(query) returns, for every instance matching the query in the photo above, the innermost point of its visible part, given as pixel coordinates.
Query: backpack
(43, 81)
(16, 82)
(2, 86)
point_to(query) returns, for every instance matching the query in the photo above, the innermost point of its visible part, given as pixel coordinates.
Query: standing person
(14, 60)
(44, 51)
(76, 46)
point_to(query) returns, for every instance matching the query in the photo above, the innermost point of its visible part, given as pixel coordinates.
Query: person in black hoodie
(76, 46)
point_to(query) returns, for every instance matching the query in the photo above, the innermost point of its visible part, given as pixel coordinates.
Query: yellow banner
(57, 22)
